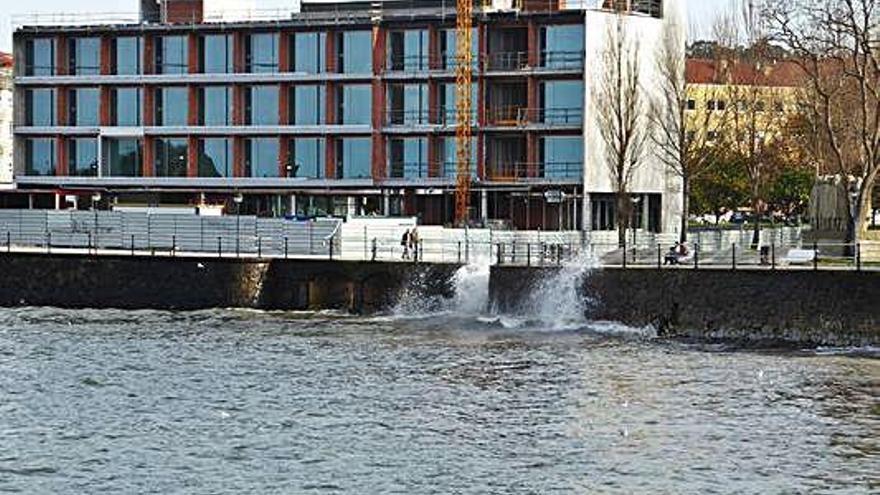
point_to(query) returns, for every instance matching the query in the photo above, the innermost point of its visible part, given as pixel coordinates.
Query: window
(84, 107)
(691, 104)
(128, 55)
(261, 105)
(353, 158)
(563, 46)
(760, 106)
(448, 48)
(40, 107)
(355, 51)
(122, 158)
(172, 104)
(563, 102)
(84, 56)
(408, 158)
(83, 156)
(171, 157)
(309, 52)
(215, 157)
(126, 107)
(40, 57)
(40, 156)
(778, 106)
(356, 104)
(262, 53)
(563, 157)
(261, 157)
(171, 55)
(716, 105)
(216, 54)
(408, 104)
(408, 50)
(448, 97)
(308, 104)
(604, 211)
(215, 108)
(447, 155)
(307, 156)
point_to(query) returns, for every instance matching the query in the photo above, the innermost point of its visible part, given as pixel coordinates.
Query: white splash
(471, 284)
(558, 302)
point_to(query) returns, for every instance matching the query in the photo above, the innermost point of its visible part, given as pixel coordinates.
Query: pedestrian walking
(414, 242)
(405, 243)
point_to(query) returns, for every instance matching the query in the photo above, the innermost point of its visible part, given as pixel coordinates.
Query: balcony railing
(516, 116)
(524, 171)
(562, 59)
(506, 61)
(408, 63)
(409, 170)
(408, 117)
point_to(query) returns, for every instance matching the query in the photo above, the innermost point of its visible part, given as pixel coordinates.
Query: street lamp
(635, 204)
(96, 198)
(238, 198)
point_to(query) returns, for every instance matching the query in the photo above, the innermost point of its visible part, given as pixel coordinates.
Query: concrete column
(484, 205)
(292, 199)
(386, 203)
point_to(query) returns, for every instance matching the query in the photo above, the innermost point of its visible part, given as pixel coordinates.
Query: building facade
(344, 108)
(6, 98)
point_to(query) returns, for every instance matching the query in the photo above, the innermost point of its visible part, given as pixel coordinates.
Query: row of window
(407, 157)
(721, 105)
(407, 104)
(561, 46)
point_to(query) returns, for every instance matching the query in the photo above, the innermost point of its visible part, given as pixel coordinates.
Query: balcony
(515, 116)
(562, 59)
(506, 61)
(411, 117)
(556, 171)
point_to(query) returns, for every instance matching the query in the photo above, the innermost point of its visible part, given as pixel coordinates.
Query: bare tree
(621, 113)
(686, 131)
(837, 45)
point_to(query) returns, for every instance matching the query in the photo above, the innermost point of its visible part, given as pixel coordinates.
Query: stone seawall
(78, 281)
(835, 308)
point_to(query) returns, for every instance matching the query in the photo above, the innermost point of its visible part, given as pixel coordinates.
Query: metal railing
(506, 61)
(562, 59)
(400, 117)
(523, 171)
(521, 116)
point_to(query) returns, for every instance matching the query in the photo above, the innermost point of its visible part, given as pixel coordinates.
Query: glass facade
(172, 105)
(83, 107)
(563, 46)
(353, 158)
(448, 97)
(128, 55)
(215, 157)
(356, 52)
(261, 157)
(83, 157)
(308, 104)
(40, 107)
(446, 151)
(408, 50)
(171, 157)
(85, 58)
(216, 55)
(563, 102)
(261, 105)
(356, 104)
(448, 49)
(309, 52)
(407, 104)
(308, 157)
(171, 55)
(262, 53)
(563, 157)
(215, 105)
(39, 156)
(122, 158)
(126, 107)
(408, 158)
(40, 57)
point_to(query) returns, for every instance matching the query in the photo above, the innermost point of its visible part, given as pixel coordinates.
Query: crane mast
(463, 90)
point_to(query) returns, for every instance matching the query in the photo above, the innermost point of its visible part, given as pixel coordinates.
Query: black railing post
(132, 244)
(285, 247)
(498, 254)
(858, 256)
(219, 247)
(624, 251)
(528, 254)
(696, 256)
(773, 256)
(8, 242)
(375, 250)
(90, 241)
(733, 256)
(238, 244)
(259, 246)
(815, 256)
(331, 248)
(659, 256)
(513, 252)
(421, 247)
(48, 242)
(173, 244)
(459, 252)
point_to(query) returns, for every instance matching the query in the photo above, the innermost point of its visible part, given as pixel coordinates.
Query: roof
(777, 74)
(6, 60)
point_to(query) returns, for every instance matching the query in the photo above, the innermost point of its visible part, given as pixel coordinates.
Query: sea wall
(838, 308)
(78, 281)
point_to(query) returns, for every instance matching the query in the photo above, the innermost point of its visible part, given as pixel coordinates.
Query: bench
(800, 256)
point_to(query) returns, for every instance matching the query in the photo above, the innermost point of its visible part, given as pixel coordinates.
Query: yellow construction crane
(463, 89)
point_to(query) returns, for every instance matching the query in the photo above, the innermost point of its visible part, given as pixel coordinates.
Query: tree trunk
(756, 211)
(622, 218)
(685, 207)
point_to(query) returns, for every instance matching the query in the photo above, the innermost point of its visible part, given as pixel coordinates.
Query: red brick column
(149, 61)
(106, 55)
(104, 106)
(62, 166)
(283, 155)
(284, 103)
(434, 56)
(149, 109)
(62, 108)
(379, 163)
(192, 53)
(284, 52)
(332, 61)
(238, 156)
(330, 157)
(192, 157)
(62, 60)
(149, 156)
(238, 51)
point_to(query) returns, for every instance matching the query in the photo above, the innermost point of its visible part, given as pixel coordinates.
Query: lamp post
(636, 200)
(96, 198)
(238, 198)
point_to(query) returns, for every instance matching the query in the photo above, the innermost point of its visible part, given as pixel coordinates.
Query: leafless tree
(685, 130)
(621, 112)
(837, 45)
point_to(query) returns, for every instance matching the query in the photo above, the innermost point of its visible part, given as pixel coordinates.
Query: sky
(701, 12)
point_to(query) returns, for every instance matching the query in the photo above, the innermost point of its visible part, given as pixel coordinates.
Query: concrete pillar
(292, 199)
(57, 201)
(386, 203)
(484, 205)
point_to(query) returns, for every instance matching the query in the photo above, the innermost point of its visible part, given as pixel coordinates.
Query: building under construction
(343, 108)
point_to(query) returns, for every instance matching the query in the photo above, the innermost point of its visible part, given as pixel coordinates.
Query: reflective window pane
(216, 106)
(40, 57)
(308, 155)
(563, 156)
(408, 50)
(563, 46)
(448, 97)
(126, 106)
(40, 107)
(122, 158)
(171, 156)
(353, 158)
(216, 54)
(262, 53)
(128, 55)
(357, 104)
(171, 55)
(40, 156)
(215, 157)
(447, 156)
(408, 104)
(563, 102)
(172, 105)
(408, 158)
(85, 56)
(261, 105)
(308, 105)
(356, 52)
(261, 157)
(309, 52)
(83, 157)
(448, 48)
(84, 107)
